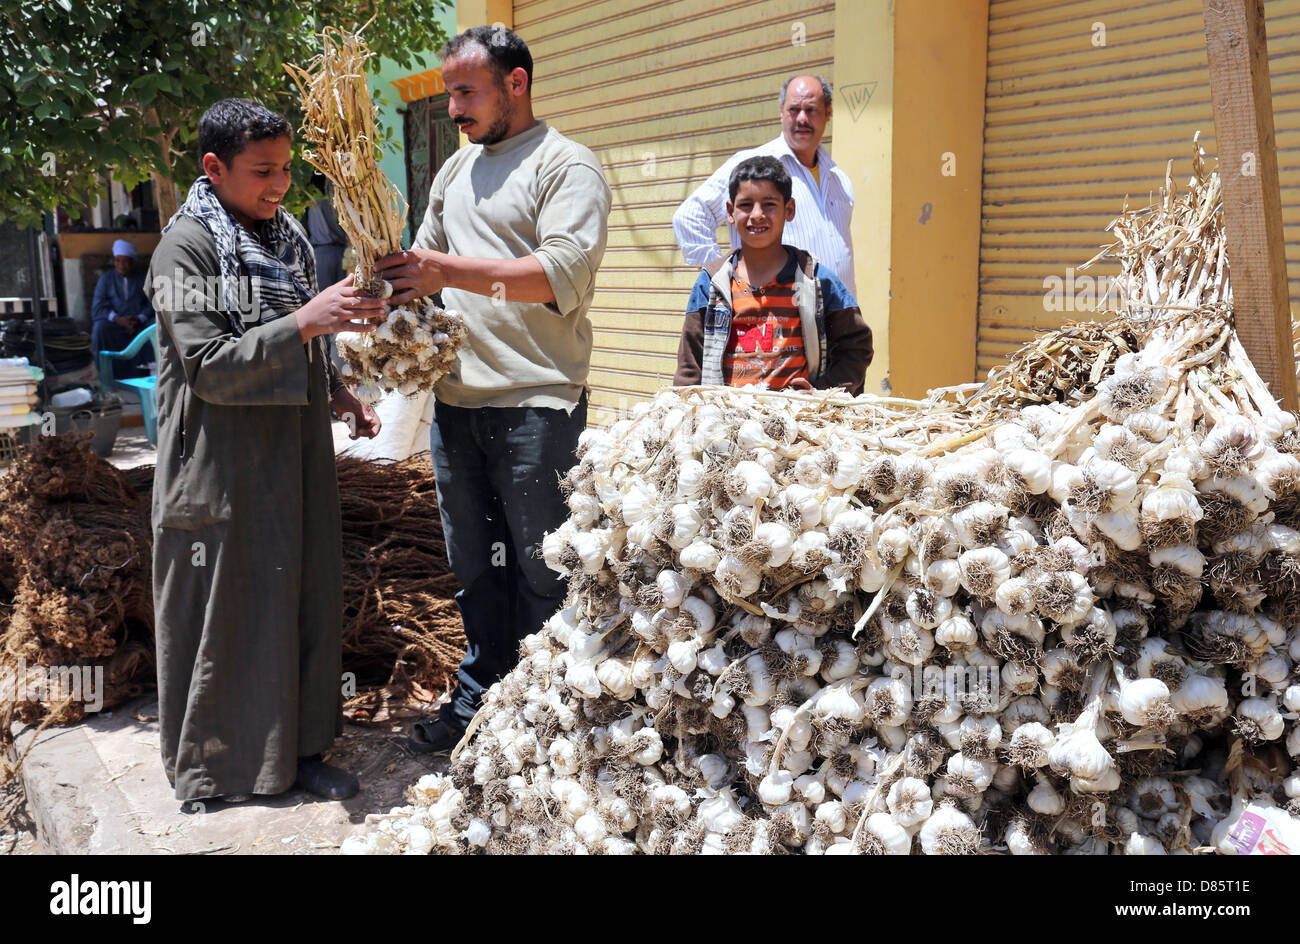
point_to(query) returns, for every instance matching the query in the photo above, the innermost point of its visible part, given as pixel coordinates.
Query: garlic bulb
(1033, 468)
(949, 832)
(942, 577)
(748, 483)
(957, 634)
(700, 555)
(736, 577)
(1259, 720)
(1077, 750)
(1045, 800)
(1020, 840)
(909, 802)
(886, 836)
(1139, 844)
(1145, 702)
(983, 570)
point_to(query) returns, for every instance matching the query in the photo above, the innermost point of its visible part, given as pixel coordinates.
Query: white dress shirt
(821, 213)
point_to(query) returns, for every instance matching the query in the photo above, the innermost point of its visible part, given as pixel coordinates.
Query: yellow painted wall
(862, 145)
(910, 90)
(940, 52)
(471, 13)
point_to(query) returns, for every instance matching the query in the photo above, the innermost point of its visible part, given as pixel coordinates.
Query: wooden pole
(1252, 202)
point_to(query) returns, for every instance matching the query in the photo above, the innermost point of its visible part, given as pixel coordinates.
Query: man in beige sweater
(513, 236)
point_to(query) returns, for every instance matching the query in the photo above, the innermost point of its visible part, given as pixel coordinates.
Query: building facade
(989, 143)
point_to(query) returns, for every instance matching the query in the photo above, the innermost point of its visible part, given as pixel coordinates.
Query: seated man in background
(121, 310)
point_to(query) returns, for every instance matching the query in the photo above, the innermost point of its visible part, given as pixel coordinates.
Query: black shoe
(325, 780)
(434, 736)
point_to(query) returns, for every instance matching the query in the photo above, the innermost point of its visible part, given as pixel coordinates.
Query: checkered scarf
(279, 265)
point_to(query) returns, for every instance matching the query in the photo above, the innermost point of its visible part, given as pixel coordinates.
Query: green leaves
(96, 82)
(194, 86)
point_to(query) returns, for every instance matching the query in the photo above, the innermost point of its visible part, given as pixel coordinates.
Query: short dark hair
(229, 125)
(505, 49)
(761, 168)
(827, 98)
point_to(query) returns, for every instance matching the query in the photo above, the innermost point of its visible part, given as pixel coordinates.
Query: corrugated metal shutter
(662, 93)
(1072, 128)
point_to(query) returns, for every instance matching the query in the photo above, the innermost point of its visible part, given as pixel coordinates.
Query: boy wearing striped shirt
(771, 316)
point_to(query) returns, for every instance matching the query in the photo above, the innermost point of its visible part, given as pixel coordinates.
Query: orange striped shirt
(766, 345)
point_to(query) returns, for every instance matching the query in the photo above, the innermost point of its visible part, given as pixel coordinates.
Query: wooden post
(1252, 201)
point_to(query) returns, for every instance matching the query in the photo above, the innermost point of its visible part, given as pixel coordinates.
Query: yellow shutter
(662, 93)
(1072, 127)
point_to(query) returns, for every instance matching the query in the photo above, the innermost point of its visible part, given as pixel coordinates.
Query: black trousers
(498, 472)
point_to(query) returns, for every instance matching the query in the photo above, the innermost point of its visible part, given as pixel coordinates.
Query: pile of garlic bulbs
(411, 351)
(988, 623)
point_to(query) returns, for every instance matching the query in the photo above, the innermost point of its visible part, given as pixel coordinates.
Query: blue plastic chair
(142, 387)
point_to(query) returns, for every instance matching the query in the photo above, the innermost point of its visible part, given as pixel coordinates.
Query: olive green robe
(247, 562)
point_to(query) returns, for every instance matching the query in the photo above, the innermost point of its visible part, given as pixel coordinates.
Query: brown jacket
(247, 556)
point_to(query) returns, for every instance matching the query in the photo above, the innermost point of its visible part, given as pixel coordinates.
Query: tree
(93, 86)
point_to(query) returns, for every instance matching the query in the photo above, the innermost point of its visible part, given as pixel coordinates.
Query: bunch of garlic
(411, 351)
(781, 635)
(952, 626)
(958, 625)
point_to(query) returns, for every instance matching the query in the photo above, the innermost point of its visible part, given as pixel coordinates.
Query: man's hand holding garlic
(417, 273)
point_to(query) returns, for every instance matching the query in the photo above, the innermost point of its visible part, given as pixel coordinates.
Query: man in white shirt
(822, 193)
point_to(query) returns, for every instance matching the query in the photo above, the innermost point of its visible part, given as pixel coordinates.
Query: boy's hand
(361, 419)
(414, 273)
(339, 308)
(799, 383)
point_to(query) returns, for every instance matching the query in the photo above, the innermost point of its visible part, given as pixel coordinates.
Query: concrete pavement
(98, 788)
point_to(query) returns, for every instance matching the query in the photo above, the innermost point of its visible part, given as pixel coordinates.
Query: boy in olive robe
(247, 544)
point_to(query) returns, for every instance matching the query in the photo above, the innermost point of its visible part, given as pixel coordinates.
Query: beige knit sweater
(536, 193)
